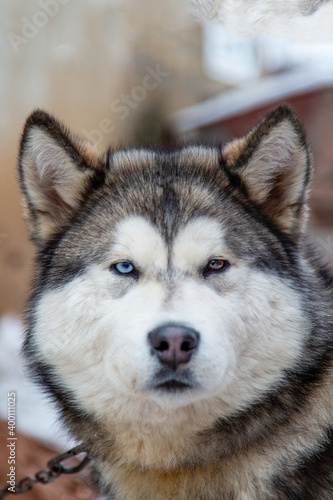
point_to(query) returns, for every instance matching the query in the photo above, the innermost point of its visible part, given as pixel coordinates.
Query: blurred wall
(86, 61)
(79, 59)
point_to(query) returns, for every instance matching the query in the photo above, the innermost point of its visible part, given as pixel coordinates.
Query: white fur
(138, 241)
(134, 158)
(198, 242)
(51, 167)
(250, 331)
(278, 154)
(198, 155)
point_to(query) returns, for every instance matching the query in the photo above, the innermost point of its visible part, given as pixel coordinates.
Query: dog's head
(166, 279)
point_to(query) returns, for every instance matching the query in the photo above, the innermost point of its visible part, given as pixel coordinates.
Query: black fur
(162, 191)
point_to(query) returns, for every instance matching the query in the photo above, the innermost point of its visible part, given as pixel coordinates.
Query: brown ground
(31, 457)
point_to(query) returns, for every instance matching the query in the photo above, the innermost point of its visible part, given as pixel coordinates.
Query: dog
(178, 316)
(303, 21)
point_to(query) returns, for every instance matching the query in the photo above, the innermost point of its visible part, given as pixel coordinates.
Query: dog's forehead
(171, 206)
(166, 187)
(138, 238)
(198, 156)
(133, 159)
(200, 239)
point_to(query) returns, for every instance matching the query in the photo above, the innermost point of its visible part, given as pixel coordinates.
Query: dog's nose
(174, 344)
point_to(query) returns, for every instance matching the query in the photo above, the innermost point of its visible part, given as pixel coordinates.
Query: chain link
(55, 468)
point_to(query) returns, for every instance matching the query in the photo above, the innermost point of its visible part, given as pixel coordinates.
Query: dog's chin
(173, 398)
(175, 389)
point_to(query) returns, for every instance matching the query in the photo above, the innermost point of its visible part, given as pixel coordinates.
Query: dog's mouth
(167, 382)
(173, 386)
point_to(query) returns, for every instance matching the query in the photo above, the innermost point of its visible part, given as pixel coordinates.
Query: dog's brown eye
(215, 266)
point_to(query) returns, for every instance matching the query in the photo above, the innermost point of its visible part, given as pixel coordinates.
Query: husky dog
(178, 318)
(299, 20)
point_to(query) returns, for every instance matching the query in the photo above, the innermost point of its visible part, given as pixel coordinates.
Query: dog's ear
(274, 166)
(56, 171)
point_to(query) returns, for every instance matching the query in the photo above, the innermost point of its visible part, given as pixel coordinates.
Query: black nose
(174, 344)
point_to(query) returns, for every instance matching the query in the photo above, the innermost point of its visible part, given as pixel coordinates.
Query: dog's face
(166, 280)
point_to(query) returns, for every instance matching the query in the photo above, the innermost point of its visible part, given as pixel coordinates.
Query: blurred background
(128, 72)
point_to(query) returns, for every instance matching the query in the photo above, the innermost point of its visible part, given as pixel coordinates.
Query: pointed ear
(274, 166)
(56, 171)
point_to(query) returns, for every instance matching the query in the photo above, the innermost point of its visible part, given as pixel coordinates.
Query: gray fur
(277, 445)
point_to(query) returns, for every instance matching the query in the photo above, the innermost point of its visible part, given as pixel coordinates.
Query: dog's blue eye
(123, 267)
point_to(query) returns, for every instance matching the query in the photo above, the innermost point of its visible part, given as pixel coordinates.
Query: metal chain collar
(55, 468)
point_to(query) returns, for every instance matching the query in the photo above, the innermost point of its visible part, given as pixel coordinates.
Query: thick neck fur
(238, 455)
